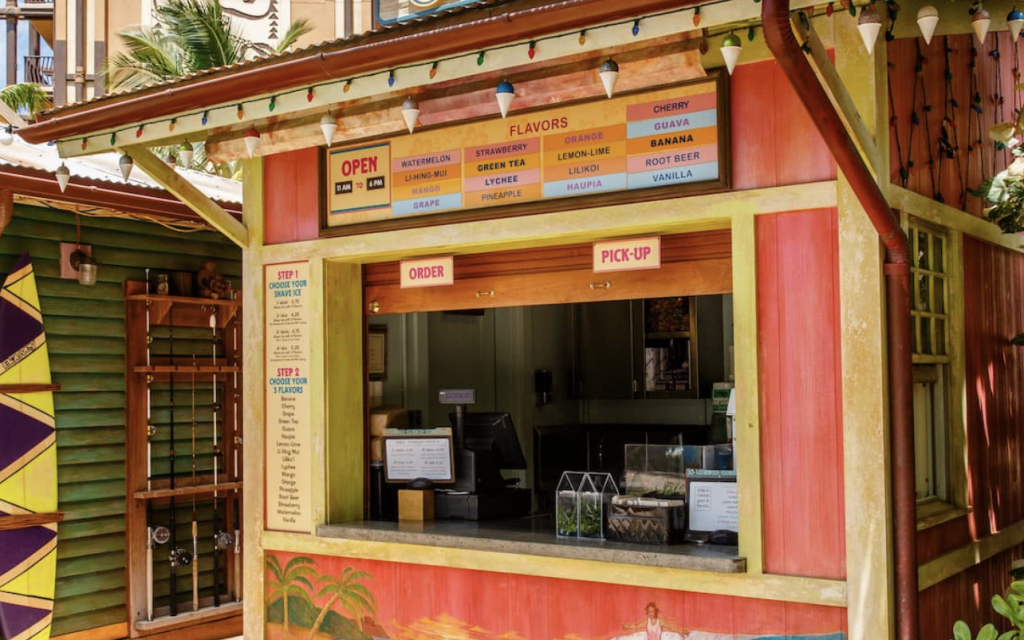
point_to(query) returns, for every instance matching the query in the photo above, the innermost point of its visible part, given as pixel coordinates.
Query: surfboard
(28, 463)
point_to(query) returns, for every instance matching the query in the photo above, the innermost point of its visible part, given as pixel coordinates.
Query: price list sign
(288, 404)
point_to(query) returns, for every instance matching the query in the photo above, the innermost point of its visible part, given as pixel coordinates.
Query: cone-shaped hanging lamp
(410, 111)
(63, 176)
(252, 141)
(1014, 21)
(981, 21)
(505, 93)
(328, 125)
(869, 24)
(609, 73)
(185, 152)
(731, 48)
(927, 18)
(126, 164)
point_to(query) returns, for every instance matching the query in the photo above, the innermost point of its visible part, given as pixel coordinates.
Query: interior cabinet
(183, 464)
(632, 349)
(666, 337)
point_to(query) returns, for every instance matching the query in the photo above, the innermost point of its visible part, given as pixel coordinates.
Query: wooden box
(415, 504)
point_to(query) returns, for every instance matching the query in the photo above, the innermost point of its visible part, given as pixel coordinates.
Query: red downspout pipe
(775, 16)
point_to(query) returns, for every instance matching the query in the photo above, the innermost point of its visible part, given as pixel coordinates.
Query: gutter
(372, 53)
(778, 33)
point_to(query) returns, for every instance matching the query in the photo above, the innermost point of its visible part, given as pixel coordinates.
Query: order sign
(627, 255)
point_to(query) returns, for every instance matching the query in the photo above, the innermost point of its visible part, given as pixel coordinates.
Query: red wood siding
(967, 596)
(801, 394)
(774, 141)
(291, 194)
(425, 602)
(994, 77)
(994, 299)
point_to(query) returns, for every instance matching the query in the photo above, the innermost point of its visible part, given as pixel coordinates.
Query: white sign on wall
(263, 22)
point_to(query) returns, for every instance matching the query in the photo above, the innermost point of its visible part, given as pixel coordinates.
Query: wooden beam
(6, 207)
(9, 523)
(28, 388)
(839, 96)
(196, 200)
(109, 632)
(11, 116)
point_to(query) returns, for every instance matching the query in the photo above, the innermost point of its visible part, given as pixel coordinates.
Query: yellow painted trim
(343, 331)
(932, 573)
(253, 400)
(771, 587)
(956, 409)
(184, 190)
(942, 214)
(748, 397)
(319, 433)
(682, 215)
(865, 418)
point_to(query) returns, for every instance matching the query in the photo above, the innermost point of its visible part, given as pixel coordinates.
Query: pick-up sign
(627, 255)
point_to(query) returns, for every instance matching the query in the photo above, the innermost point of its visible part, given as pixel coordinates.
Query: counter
(536, 537)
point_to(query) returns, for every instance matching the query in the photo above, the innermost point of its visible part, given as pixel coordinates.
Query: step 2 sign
(627, 255)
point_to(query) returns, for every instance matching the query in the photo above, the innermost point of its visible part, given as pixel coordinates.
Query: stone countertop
(536, 537)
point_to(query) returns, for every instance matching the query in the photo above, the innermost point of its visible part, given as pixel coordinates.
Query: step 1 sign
(627, 255)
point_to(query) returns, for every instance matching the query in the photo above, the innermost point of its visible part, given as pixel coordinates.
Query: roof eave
(482, 30)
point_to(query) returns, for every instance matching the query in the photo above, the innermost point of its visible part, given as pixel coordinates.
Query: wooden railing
(39, 69)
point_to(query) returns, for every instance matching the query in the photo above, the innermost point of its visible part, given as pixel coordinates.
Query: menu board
(418, 453)
(640, 141)
(288, 404)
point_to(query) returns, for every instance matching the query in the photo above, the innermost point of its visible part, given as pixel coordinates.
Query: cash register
(485, 443)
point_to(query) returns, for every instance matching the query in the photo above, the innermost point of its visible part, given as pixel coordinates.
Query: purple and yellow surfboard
(28, 463)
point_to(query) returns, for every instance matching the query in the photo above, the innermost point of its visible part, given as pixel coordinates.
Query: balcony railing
(39, 69)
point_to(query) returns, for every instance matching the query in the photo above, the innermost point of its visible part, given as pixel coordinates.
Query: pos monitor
(489, 444)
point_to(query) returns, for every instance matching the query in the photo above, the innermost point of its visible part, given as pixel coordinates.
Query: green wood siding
(85, 331)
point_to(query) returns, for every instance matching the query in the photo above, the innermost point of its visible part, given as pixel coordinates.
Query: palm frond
(26, 97)
(295, 31)
(275, 567)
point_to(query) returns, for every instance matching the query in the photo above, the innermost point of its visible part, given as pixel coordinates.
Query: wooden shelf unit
(145, 493)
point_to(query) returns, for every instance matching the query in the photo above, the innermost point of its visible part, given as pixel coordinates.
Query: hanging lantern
(126, 164)
(1014, 21)
(981, 21)
(252, 141)
(7, 135)
(609, 74)
(410, 111)
(869, 24)
(63, 176)
(731, 48)
(927, 18)
(505, 94)
(328, 125)
(185, 152)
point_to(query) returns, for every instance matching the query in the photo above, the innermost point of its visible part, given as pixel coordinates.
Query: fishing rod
(237, 444)
(174, 556)
(149, 464)
(195, 520)
(177, 557)
(216, 464)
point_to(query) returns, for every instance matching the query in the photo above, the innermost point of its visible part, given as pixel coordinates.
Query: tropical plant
(1004, 192)
(298, 570)
(191, 36)
(25, 97)
(347, 590)
(1010, 608)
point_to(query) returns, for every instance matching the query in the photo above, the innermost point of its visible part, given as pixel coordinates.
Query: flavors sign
(671, 137)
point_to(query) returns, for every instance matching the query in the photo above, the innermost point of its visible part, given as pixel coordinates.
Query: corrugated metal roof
(328, 45)
(104, 167)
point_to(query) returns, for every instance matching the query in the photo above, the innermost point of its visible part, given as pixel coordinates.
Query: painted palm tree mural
(303, 603)
(347, 591)
(298, 571)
